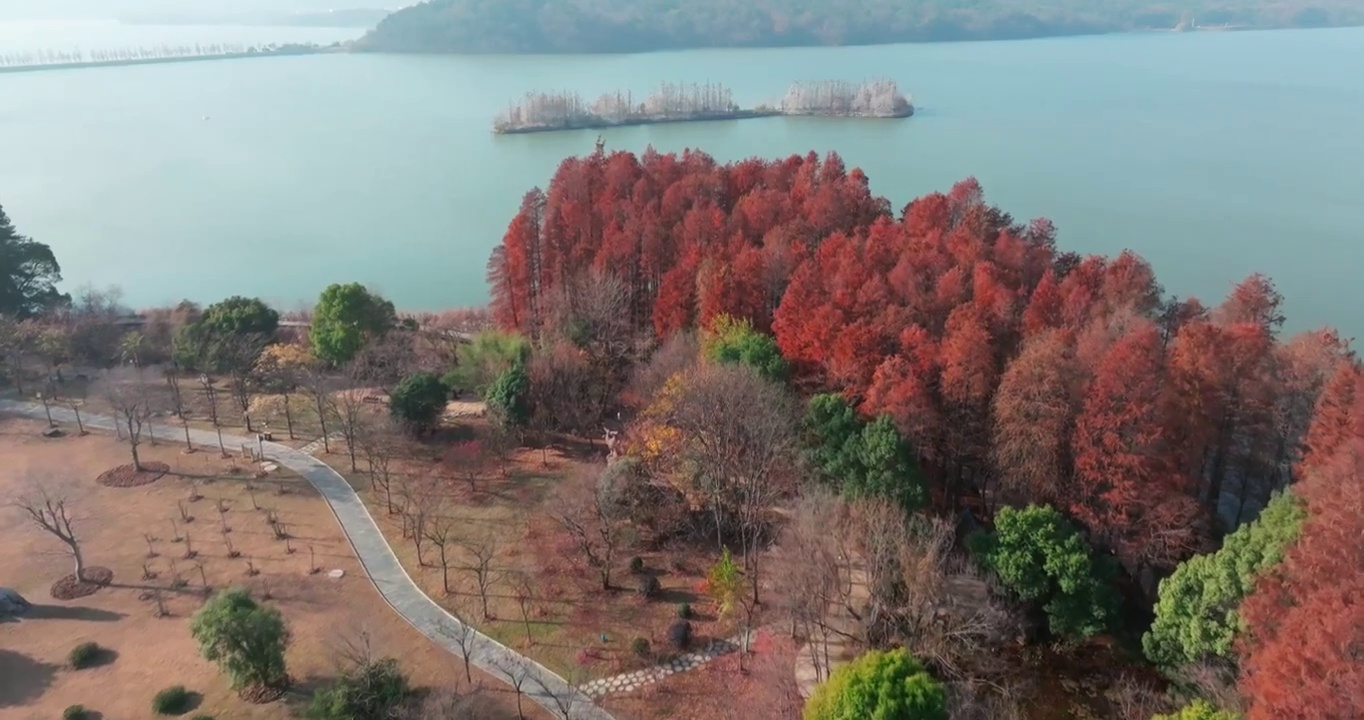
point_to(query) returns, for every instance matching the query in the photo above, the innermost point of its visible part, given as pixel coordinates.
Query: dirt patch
(71, 588)
(126, 476)
(130, 531)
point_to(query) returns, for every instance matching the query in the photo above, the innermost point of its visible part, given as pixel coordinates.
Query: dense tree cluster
(1017, 373)
(577, 26)
(954, 349)
(1304, 644)
(1197, 615)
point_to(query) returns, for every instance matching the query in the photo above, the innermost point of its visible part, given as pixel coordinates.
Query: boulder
(12, 603)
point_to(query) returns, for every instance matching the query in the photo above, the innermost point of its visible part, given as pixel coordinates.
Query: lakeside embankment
(161, 60)
(552, 112)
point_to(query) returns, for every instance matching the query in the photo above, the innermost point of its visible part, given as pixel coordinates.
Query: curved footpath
(390, 579)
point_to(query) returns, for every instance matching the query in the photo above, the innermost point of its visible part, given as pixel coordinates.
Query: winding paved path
(389, 578)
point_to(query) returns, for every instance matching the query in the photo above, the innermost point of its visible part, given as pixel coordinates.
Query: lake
(1214, 155)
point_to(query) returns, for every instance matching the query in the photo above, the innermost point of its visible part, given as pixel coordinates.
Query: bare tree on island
(565, 110)
(836, 98)
(49, 513)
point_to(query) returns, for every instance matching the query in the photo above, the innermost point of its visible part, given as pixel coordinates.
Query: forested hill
(570, 26)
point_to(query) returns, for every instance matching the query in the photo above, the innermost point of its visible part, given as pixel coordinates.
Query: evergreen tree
(29, 274)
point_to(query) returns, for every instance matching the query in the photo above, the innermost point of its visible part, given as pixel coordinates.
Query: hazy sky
(41, 9)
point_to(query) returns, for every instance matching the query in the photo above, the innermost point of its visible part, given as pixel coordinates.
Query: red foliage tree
(1334, 421)
(1034, 416)
(1305, 621)
(1123, 467)
(1004, 362)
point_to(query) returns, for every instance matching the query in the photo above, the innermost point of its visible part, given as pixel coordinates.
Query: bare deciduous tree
(813, 580)
(517, 675)
(211, 394)
(419, 495)
(439, 530)
(467, 639)
(447, 704)
(177, 399)
(379, 442)
(524, 590)
(48, 512)
(316, 385)
(479, 563)
(351, 413)
(566, 699)
(593, 514)
(738, 437)
(128, 396)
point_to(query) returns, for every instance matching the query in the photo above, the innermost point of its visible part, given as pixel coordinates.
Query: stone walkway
(626, 682)
(390, 579)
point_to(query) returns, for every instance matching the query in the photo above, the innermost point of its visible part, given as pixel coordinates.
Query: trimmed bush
(74, 712)
(879, 686)
(83, 656)
(636, 564)
(684, 611)
(640, 647)
(679, 634)
(202, 717)
(174, 700)
(648, 586)
(418, 401)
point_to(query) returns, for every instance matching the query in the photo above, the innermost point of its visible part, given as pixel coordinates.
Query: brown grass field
(146, 652)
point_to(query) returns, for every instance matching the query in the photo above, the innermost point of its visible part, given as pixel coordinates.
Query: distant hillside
(571, 26)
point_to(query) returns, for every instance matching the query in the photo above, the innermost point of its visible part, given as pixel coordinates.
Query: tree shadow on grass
(23, 679)
(300, 694)
(65, 612)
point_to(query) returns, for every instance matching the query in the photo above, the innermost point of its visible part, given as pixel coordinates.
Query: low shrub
(202, 717)
(373, 690)
(648, 586)
(640, 647)
(174, 700)
(74, 712)
(679, 634)
(636, 564)
(684, 611)
(83, 656)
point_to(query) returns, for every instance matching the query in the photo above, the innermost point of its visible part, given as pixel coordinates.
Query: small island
(548, 112)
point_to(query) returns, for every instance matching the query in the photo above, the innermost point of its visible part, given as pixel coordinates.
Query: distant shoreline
(165, 60)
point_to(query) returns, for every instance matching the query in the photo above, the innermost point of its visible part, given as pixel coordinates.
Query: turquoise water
(1214, 155)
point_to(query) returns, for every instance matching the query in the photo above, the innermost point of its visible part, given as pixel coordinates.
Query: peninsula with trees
(858, 462)
(548, 112)
(629, 26)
